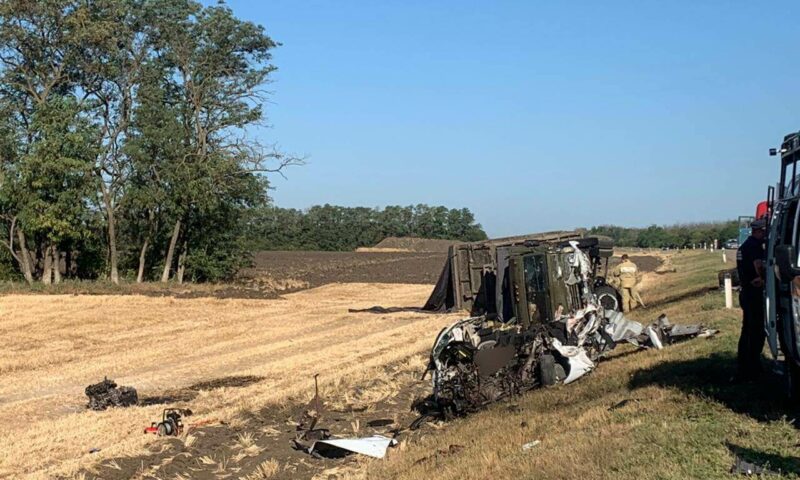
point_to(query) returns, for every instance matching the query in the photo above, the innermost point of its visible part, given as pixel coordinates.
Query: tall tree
(113, 48)
(38, 61)
(221, 65)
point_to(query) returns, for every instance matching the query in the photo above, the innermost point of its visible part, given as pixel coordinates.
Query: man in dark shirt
(750, 266)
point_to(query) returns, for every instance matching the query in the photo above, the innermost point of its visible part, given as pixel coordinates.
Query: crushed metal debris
(107, 394)
(548, 327)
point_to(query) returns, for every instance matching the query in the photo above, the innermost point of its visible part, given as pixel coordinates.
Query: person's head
(758, 228)
(624, 256)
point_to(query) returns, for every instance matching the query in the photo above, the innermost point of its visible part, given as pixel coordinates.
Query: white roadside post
(724, 257)
(728, 291)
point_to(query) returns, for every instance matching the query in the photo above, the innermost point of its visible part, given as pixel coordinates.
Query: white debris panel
(374, 446)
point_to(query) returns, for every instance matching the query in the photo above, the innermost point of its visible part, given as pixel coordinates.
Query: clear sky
(535, 115)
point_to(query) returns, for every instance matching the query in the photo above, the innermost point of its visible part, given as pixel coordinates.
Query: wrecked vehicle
(548, 327)
(107, 394)
(474, 275)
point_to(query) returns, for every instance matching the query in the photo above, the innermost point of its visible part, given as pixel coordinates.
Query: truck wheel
(547, 370)
(608, 298)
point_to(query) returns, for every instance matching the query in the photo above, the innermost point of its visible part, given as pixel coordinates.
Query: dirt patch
(263, 440)
(190, 393)
(272, 274)
(299, 270)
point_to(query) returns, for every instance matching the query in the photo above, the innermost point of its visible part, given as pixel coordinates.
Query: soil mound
(414, 244)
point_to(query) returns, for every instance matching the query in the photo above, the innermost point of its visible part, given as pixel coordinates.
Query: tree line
(673, 236)
(123, 145)
(337, 228)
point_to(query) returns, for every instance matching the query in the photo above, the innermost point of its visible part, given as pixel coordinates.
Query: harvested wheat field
(220, 357)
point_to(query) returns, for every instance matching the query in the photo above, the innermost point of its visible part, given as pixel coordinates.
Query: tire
(547, 370)
(608, 297)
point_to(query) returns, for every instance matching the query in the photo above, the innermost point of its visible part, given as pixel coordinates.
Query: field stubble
(53, 346)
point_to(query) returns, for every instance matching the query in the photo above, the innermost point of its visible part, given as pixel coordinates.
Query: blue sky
(535, 115)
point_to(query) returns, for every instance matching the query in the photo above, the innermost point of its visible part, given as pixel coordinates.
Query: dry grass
(669, 414)
(267, 469)
(53, 346)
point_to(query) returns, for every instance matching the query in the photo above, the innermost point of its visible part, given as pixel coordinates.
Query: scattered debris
(452, 449)
(380, 422)
(620, 404)
(319, 443)
(386, 310)
(313, 411)
(94, 450)
(171, 424)
(553, 329)
(742, 467)
(374, 446)
(106, 394)
(530, 445)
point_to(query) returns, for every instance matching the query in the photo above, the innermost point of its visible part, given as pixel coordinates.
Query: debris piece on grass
(743, 467)
(374, 446)
(171, 424)
(620, 404)
(452, 449)
(380, 422)
(107, 394)
(530, 445)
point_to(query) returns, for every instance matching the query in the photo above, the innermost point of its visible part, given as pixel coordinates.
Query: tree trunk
(68, 271)
(112, 245)
(171, 251)
(142, 259)
(56, 265)
(47, 271)
(26, 264)
(182, 263)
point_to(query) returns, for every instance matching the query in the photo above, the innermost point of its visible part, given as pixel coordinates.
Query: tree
(221, 64)
(113, 48)
(123, 137)
(55, 178)
(38, 58)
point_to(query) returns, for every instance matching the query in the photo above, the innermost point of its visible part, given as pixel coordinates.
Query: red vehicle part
(762, 209)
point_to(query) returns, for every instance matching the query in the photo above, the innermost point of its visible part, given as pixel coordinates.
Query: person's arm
(758, 281)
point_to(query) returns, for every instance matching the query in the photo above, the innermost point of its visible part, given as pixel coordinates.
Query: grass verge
(670, 414)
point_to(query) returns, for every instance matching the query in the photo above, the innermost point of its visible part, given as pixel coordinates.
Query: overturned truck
(537, 320)
(475, 276)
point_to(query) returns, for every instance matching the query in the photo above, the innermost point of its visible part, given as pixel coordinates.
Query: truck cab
(545, 284)
(783, 265)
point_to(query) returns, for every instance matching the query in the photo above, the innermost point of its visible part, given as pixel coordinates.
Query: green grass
(669, 414)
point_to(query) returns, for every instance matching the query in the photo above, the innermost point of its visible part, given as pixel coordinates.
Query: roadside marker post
(728, 291)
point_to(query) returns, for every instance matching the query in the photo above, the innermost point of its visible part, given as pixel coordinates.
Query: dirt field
(273, 273)
(291, 271)
(224, 358)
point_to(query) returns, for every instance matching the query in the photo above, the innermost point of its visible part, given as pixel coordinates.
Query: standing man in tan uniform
(626, 275)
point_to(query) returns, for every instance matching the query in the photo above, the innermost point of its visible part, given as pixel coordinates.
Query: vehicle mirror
(786, 259)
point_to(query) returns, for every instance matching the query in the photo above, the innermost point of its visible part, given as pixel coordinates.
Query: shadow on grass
(770, 462)
(764, 400)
